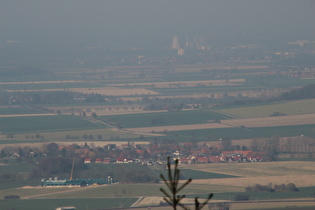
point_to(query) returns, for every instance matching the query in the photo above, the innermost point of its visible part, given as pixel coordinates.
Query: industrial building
(74, 182)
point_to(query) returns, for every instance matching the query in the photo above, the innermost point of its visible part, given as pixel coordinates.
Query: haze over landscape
(95, 95)
(47, 25)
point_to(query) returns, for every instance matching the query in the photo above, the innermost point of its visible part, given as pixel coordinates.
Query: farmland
(165, 118)
(44, 124)
(129, 105)
(288, 107)
(228, 182)
(79, 203)
(241, 133)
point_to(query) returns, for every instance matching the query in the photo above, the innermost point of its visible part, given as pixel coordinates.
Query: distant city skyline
(56, 25)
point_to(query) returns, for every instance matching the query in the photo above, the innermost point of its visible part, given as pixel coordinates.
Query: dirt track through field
(68, 190)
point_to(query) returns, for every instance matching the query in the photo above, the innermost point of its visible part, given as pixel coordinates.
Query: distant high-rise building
(180, 52)
(175, 44)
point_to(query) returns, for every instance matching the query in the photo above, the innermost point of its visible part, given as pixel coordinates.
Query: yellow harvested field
(155, 200)
(113, 91)
(276, 168)
(35, 90)
(25, 115)
(245, 206)
(196, 68)
(272, 205)
(184, 84)
(110, 91)
(300, 173)
(272, 121)
(179, 127)
(65, 143)
(40, 82)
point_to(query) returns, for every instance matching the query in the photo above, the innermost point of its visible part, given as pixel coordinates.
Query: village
(142, 154)
(186, 153)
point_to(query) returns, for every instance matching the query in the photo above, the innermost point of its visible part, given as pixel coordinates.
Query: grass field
(17, 110)
(304, 192)
(51, 204)
(195, 174)
(44, 124)
(20, 87)
(289, 108)
(165, 118)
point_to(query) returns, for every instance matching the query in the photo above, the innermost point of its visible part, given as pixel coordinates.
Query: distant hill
(306, 92)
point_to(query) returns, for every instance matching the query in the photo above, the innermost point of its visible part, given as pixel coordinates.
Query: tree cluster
(51, 166)
(128, 175)
(269, 146)
(290, 187)
(305, 92)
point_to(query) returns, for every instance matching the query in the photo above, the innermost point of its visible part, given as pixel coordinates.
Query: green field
(123, 195)
(51, 204)
(194, 174)
(16, 168)
(288, 107)
(44, 124)
(18, 110)
(39, 86)
(243, 133)
(165, 118)
(304, 192)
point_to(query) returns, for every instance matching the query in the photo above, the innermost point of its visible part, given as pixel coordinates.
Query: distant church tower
(175, 44)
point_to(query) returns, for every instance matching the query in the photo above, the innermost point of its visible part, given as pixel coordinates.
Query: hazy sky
(54, 23)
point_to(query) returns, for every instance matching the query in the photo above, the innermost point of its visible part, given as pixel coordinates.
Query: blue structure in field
(74, 182)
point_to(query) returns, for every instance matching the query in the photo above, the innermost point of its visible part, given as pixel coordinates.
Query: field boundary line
(226, 114)
(137, 201)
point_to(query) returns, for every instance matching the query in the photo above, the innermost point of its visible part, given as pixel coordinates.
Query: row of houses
(226, 156)
(223, 157)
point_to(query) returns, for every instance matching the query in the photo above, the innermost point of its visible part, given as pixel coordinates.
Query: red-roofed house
(98, 160)
(202, 160)
(87, 160)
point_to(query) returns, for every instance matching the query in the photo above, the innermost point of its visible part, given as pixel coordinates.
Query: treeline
(51, 166)
(52, 97)
(269, 146)
(290, 187)
(306, 92)
(275, 146)
(52, 160)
